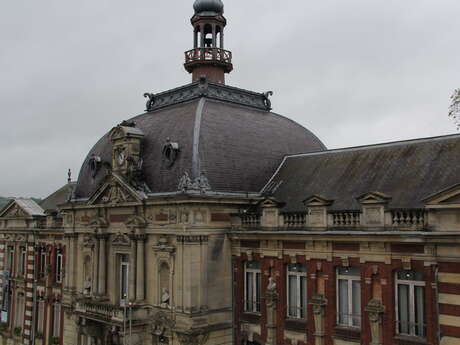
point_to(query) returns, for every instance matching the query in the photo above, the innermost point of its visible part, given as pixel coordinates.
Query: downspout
(436, 294)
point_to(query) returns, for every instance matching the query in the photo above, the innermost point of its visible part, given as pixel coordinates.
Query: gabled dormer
(270, 211)
(317, 206)
(446, 198)
(21, 213)
(373, 208)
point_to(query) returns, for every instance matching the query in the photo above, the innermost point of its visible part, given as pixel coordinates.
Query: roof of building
(57, 198)
(225, 133)
(406, 171)
(27, 205)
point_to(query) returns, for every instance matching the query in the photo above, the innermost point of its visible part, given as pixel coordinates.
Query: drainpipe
(34, 292)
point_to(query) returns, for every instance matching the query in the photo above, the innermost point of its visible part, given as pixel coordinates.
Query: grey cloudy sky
(354, 72)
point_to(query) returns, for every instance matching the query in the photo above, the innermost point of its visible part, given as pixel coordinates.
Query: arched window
(296, 281)
(252, 276)
(410, 303)
(349, 297)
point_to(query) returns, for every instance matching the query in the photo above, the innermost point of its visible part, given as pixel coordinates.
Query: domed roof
(225, 135)
(212, 6)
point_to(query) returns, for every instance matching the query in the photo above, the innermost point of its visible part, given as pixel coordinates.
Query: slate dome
(212, 6)
(226, 135)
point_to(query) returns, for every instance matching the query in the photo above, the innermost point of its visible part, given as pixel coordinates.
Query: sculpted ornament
(115, 195)
(161, 322)
(271, 294)
(195, 337)
(200, 184)
(121, 240)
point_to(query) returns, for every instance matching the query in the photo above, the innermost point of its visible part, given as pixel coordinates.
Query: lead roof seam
(196, 139)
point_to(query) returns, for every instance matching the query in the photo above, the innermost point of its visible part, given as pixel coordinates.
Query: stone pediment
(373, 198)
(447, 197)
(122, 131)
(116, 191)
(121, 240)
(98, 223)
(317, 200)
(136, 222)
(270, 202)
(22, 208)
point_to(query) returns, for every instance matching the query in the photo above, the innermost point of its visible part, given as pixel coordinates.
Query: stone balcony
(218, 56)
(109, 312)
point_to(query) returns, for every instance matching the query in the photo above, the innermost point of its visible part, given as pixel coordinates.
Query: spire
(208, 57)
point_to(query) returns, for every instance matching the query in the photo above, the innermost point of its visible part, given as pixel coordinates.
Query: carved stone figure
(161, 322)
(150, 102)
(87, 287)
(165, 298)
(267, 102)
(200, 184)
(94, 164)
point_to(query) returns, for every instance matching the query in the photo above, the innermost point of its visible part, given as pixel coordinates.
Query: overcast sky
(354, 72)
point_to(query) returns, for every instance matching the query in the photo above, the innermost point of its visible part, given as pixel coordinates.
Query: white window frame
(124, 299)
(22, 261)
(10, 260)
(350, 279)
(412, 284)
(256, 277)
(40, 316)
(298, 308)
(42, 269)
(57, 320)
(59, 266)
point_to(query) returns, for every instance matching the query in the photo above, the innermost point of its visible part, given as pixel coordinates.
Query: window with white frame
(41, 315)
(22, 261)
(59, 258)
(349, 296)
(42, 267)
(410, 303)
(296, 291)
(57, 320)
(252, 287)
(10, 260)
(124, 278)
(19, 310)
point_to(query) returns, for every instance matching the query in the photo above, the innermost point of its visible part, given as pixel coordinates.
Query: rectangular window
(124, 278)
(42, 268)
(57, 320)
(41, 316)
(19, 311)
(252, 277)
(10, 261)
(410, 303)
(59, 258)
(349, 297)
(296, 291)
(22, 261)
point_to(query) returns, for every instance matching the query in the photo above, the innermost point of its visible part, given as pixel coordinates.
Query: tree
(454, 109)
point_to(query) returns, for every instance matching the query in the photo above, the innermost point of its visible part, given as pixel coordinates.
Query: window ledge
(295, 324)
(250, 317)
(347, 333)
(409, 340)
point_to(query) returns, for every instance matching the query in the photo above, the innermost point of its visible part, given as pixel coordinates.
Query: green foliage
(17, 331)
(454, 109)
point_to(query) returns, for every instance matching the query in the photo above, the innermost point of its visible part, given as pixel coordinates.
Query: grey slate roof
(57, 198)
(407, 171)
(237, 147)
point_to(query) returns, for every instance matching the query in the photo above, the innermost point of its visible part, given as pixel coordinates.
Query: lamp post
(125, 297)
(130, 321)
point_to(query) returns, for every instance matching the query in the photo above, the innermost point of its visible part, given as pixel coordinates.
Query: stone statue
(165, 298)
(271, 285)
(150, 102)
(87, 287)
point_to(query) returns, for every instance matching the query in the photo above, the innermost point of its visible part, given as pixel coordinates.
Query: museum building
(209, 219)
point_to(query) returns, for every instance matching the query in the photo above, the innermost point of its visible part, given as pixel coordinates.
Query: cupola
(208, 58)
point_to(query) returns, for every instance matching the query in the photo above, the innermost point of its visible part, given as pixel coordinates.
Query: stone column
(319, 303)
(102, 265)
(214, 36)
(68, 255)
(94, 280)
(375, 311)
(202, 37)
(271, 298)
(140, 268)
(132, 270)
(222, 37)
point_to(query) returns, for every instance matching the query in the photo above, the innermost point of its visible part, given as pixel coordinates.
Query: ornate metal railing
(295, 220)
(251, 219)
(409, 218)
(102, 309)
(346, 218)
(208, 54)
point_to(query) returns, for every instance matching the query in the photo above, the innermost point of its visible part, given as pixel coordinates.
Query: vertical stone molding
(375, 310)
(132, 269)
(271, 298)
(319, 303)
(140, 267)
(102, 276)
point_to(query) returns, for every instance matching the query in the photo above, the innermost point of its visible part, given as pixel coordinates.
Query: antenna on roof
(69, 176)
